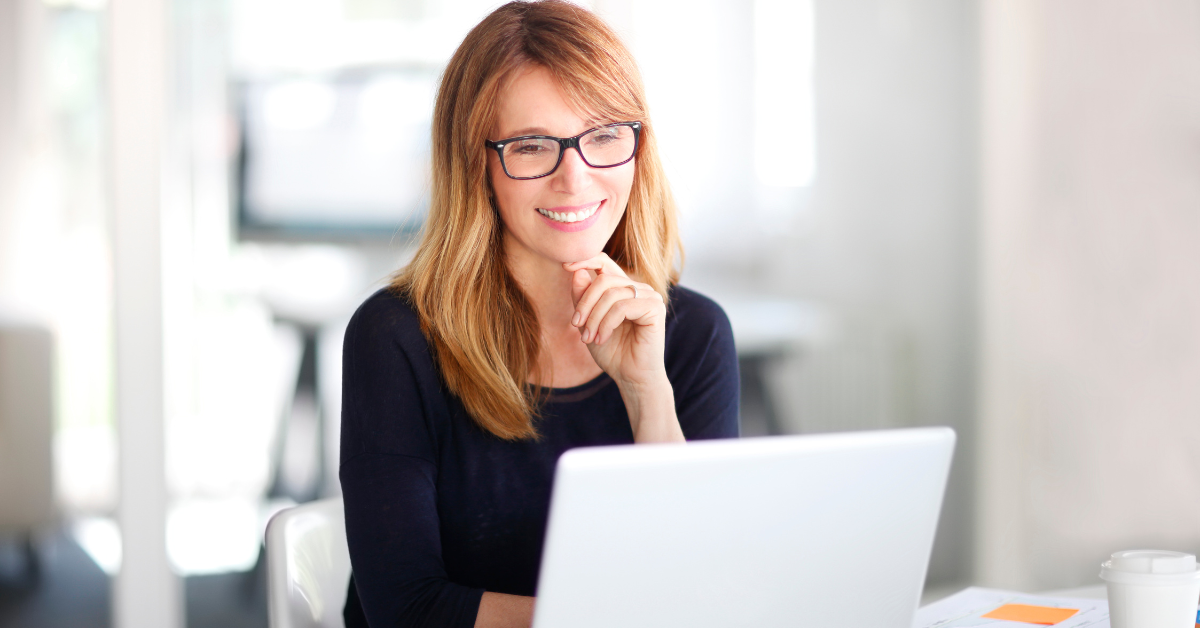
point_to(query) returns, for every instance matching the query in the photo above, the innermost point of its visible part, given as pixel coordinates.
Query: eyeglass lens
(533, 157)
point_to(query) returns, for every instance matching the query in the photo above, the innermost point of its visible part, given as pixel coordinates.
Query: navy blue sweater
(439, 511)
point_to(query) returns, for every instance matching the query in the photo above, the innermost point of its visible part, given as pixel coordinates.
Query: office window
(784, 152)
(730, 87)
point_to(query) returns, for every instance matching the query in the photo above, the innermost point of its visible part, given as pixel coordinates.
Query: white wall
(1090, 382)
(21, 123)
(890, 240)
(8, 114)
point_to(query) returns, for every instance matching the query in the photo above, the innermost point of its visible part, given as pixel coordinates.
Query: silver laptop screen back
(824, 531)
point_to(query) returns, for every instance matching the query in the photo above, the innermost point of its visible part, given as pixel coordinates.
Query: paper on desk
(1032, 614)
(967, 608)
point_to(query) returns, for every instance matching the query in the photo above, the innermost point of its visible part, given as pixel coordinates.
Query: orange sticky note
(1030, 614)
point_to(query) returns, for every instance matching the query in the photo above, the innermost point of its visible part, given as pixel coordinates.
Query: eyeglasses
(537, 156)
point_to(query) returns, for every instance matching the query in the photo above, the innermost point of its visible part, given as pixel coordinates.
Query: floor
(71, 591)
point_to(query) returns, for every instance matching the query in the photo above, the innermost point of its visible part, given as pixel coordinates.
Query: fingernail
(575, 319)
(586, 332)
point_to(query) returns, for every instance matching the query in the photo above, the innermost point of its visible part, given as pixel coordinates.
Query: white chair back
(26, 428)
(308, 566)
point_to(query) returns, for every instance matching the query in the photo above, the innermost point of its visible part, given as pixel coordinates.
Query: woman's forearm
(501, 610)
(652, 412)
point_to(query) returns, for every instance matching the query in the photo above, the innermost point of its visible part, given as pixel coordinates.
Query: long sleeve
(389, 478)
(703, 368)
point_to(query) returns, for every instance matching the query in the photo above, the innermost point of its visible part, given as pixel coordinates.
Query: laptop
(819, 531)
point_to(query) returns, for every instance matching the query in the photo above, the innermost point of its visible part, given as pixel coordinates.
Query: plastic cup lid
(1150, 567)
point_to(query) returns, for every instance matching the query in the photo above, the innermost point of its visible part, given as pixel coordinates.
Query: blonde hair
(482, 328)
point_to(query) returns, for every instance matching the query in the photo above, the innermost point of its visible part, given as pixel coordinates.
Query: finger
(595, 289)
(601, 286)
(638, 312)
(618, 295)
(580, 280)
(610, 321)
(604, 298)
(601, 264)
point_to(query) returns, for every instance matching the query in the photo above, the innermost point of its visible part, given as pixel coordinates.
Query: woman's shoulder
(702, 364)
(387, 316)
(391, 396)
(388, 302)
(695, 310)
(697, 327)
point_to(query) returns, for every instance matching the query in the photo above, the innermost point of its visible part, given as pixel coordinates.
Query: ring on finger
(635, 292)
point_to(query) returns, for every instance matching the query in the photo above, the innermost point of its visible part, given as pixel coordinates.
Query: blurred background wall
(1090, 282)
(890, 241)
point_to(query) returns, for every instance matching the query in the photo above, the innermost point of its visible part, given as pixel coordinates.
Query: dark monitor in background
(341, 156)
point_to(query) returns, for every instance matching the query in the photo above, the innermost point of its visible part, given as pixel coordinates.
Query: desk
(1094, 592)
(974, 607)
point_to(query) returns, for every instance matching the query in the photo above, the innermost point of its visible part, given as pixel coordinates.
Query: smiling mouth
(570, 217)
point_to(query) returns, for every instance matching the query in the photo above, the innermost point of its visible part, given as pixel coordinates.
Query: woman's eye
(602, 138)
(530, 149)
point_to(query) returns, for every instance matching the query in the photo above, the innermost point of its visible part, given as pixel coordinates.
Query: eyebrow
(530, 130)
(538, 130)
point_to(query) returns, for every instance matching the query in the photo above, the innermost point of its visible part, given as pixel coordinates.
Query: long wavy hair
(482, 327)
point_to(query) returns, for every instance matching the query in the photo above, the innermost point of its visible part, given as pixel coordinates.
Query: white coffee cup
(1151, 589)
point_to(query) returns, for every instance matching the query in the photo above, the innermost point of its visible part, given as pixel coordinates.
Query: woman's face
(532, 104)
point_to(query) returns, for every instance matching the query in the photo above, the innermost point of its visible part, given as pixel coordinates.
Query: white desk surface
(1094, 592)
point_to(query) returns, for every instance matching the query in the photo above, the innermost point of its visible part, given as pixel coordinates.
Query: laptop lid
(824, 530)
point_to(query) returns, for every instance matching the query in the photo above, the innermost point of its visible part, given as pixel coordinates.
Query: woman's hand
(623, 323)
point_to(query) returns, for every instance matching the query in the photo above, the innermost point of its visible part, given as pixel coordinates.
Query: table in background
(768, 330)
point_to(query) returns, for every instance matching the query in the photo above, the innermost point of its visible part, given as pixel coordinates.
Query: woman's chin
(580, 254)
(573, 247)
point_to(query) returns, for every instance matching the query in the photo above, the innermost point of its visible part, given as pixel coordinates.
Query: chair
(308, 566)
(26, 434)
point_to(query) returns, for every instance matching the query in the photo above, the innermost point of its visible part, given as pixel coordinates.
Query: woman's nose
(572, 174)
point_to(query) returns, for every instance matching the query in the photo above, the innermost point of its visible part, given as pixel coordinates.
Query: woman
(534, 318)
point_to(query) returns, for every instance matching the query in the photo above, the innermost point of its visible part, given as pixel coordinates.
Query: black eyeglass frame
(565, 143)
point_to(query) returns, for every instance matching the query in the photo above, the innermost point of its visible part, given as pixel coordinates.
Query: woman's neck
(564, 360)
(546, 284)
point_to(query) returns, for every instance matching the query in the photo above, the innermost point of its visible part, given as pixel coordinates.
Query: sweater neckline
(580, 392)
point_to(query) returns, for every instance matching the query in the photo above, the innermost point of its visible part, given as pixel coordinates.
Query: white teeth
(569, 217)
